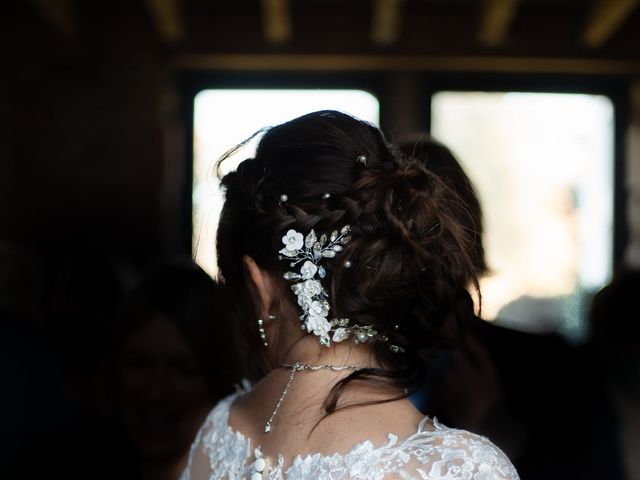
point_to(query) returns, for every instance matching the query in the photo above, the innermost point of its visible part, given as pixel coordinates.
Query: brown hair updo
(411, 258)
(439, 159)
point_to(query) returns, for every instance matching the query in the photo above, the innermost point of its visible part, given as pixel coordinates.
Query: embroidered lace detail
(441, 454)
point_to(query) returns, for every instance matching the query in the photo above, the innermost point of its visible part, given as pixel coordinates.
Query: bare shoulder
(374, 423)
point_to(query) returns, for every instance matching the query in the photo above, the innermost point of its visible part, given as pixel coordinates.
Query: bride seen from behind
(345, 264)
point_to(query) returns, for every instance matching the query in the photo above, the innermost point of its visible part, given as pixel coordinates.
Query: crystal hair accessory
(307, 253)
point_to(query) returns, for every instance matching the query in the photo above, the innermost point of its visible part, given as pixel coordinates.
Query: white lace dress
(220, 453)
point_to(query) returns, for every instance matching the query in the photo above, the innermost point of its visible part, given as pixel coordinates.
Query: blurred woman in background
(172, 363)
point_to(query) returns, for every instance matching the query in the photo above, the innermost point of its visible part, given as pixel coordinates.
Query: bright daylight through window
(543, 167)
(224, 118)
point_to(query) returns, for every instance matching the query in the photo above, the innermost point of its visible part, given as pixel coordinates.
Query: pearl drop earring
(261, 331)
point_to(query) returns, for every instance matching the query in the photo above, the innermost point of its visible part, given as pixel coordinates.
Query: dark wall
(83, 128)
(94, 156)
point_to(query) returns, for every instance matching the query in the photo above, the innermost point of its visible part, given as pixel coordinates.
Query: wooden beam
(497, 17)
(395, 63)
(276, 21)
(59, 14)
(386, 24)
(167, 19)
(605, 18)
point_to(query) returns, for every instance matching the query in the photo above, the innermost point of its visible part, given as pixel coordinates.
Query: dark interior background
(95, 128)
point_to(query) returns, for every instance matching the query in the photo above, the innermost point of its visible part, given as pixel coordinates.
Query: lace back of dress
(220, 453)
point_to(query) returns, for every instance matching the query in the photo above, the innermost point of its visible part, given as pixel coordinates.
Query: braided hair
(411, 257)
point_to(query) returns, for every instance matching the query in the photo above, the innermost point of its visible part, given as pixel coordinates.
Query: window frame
(380, 84)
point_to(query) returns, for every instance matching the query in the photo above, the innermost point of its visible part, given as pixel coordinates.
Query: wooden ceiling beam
(496, 19)
(386, 25)
(60, 14)
(276, 21)
(395, 63)
(167, 19)
(605, 18)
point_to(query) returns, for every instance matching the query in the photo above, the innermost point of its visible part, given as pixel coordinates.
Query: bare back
(302, 427)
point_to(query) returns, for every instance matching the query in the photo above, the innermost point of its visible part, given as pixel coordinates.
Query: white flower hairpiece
(312, 297)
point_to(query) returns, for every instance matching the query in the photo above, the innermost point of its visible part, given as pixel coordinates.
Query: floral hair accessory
(307, 254)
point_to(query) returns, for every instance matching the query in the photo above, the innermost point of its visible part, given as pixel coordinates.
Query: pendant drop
(294, 370)
(299, 367)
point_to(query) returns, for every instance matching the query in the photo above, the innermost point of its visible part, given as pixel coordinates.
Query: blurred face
(164, 392)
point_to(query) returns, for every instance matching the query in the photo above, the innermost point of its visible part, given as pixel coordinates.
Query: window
(543, 167)
(224, 118)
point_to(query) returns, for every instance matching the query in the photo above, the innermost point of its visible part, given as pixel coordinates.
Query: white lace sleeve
(457, 454)
(198, 463)
(440, 454)
(217, 452)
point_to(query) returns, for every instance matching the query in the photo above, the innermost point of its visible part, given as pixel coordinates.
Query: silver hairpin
(363, 160)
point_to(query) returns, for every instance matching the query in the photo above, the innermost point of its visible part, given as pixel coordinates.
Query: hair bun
(410, 257)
